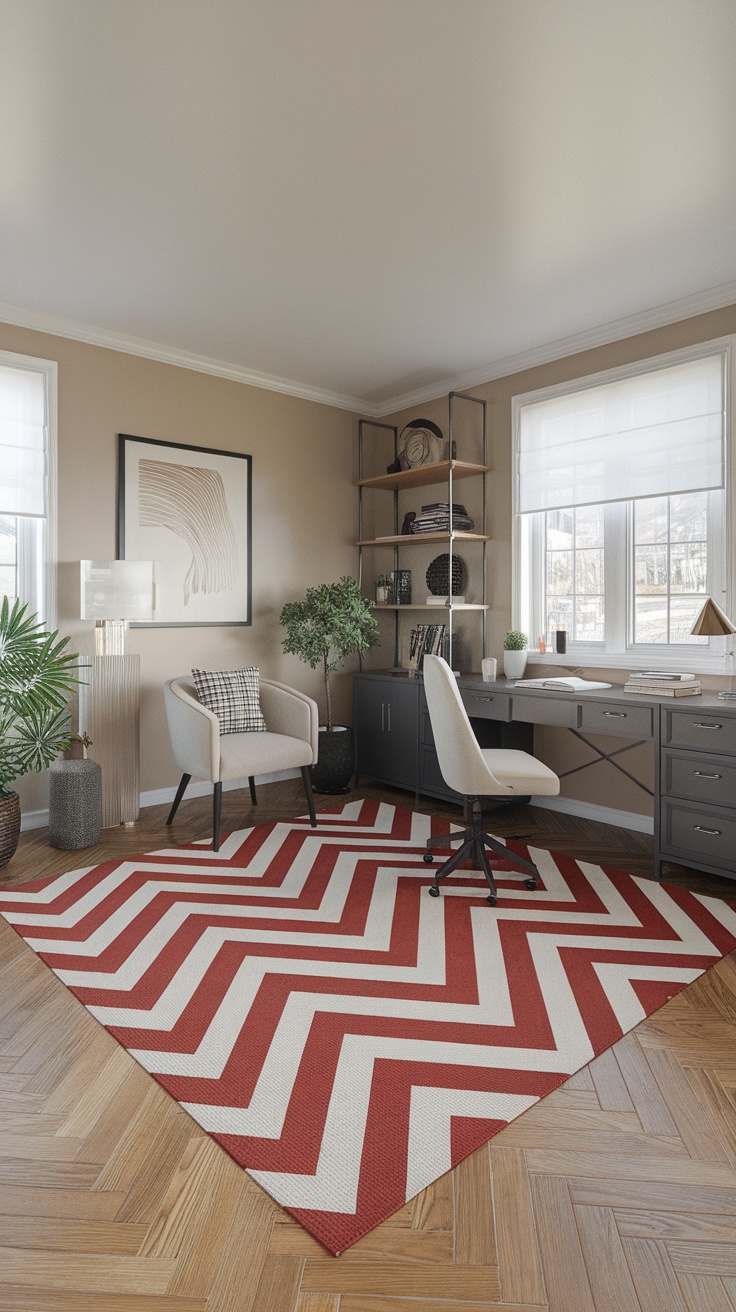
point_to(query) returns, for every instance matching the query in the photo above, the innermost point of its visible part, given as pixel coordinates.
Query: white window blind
(650, 435)
(23, 443)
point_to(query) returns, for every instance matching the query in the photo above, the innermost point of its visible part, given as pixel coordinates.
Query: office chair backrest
(461, 760)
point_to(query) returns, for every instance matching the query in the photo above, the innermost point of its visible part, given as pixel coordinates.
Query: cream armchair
(201, 750)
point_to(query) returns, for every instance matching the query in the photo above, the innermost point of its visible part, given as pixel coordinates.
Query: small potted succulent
(515, 654)
(36, 678)
(383, 589)
(332, 622)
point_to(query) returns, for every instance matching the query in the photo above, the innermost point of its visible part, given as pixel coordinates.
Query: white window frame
(49, 370)
(718, 656)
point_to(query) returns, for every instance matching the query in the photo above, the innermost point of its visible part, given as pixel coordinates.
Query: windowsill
(691, 662)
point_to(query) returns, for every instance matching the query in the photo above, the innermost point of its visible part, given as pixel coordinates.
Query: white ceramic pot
(514, 663)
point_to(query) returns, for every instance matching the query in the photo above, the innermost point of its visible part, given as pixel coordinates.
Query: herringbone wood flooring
(615, 1194)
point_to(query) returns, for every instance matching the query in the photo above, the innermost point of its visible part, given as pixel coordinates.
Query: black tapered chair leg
(216, 812)
(179, 794)
(508, 855)
(307, 781)
(252, 783)
(486, 868)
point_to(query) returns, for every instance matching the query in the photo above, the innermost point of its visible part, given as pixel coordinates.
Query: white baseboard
(159, 796)
(605, 815)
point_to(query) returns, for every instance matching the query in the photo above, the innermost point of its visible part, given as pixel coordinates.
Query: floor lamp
(713, 623)
(113, 592)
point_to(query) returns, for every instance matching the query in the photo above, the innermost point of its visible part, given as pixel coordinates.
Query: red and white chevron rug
(345, 1037)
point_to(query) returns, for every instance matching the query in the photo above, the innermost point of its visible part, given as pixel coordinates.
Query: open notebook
(570, 684)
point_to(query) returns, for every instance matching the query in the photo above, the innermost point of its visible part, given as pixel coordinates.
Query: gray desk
(694, 741)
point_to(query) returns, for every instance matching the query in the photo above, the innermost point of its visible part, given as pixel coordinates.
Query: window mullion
(616, 575)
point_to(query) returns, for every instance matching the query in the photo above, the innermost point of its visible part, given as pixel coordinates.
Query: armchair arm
(287, 711)
(194, 731)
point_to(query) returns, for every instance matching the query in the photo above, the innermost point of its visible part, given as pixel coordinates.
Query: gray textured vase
(75, 804)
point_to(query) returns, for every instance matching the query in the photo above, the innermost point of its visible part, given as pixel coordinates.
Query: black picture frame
(209, 581)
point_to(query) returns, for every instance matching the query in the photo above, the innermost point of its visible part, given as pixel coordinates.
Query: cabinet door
(387, 730)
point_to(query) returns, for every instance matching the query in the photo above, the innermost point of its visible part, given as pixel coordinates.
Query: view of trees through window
(668, 568)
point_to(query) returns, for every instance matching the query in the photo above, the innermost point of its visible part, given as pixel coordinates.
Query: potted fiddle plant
(37, 675)
(332, 622)
(515, 654)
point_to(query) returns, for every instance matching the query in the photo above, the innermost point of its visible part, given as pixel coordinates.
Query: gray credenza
(694, 742)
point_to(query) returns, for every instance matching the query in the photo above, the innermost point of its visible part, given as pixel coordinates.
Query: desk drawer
(710, 779)
(706, 834)
(546, 710)
(707, 731)
(487, 705)
(622, 721)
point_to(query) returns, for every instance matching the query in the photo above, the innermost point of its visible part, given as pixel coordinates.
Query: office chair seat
(476, 772)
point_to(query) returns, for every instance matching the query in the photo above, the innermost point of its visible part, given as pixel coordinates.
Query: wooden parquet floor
(615, 1194)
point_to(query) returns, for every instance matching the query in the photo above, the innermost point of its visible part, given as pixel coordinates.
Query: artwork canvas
(188, 509)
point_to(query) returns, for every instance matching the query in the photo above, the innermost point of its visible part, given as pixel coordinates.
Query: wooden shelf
(424, 476)
(415, 538)
(422, 605)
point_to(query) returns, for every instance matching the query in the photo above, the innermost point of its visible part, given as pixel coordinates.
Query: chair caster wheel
(434, 891)
(491, 900)
(531, 884)
(427, 858)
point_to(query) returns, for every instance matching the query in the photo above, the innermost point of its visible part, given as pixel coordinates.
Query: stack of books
(435, 518)
(659, 683)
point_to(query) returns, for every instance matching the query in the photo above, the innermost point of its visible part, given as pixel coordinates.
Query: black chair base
(473, 844)
(217, 803)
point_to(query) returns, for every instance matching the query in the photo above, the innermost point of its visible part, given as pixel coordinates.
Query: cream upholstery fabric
(291, 740)
(466, 766)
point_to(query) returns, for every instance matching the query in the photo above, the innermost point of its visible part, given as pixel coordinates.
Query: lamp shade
(711, 622)
(116, 589)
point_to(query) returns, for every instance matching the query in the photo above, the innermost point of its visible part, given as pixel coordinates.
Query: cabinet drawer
(533, 710)
(622, 721)
(706, 834)
(487, 705)
(709, 779)
(707, 731)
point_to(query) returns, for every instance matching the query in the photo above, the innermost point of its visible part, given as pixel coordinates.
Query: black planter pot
(335, 762)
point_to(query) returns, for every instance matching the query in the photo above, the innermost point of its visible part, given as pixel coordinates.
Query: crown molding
(715, 298)
(90, 333)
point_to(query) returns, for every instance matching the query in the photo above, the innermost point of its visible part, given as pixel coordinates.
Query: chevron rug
(345, 1037)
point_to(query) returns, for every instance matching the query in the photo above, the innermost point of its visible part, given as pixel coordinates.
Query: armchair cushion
(233, 696)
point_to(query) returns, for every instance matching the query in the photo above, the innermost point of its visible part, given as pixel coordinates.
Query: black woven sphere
(438, 575)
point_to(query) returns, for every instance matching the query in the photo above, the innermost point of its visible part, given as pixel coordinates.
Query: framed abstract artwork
(188, 509)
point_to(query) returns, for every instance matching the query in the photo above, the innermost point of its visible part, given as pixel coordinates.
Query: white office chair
(476, 772)
(200, 749)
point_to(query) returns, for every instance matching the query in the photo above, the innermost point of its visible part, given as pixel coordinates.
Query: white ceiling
(364, 196)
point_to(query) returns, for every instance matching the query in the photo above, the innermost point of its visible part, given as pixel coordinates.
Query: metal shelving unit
(446, 471)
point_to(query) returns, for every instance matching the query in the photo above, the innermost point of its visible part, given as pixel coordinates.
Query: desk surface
(615, 693)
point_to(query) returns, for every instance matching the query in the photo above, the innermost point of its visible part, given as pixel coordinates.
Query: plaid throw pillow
(233, 697)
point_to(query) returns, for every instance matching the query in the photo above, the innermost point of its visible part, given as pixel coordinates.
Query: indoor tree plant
(515, 653)
(36, 676)
(333, 621)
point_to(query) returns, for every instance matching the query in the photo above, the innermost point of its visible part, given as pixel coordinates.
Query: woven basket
(438, 575)
(9, 827)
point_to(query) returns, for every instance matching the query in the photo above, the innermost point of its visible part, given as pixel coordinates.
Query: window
(621, 510)
(27, 451)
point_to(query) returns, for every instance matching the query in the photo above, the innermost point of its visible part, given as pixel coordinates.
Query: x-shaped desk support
(608, 756)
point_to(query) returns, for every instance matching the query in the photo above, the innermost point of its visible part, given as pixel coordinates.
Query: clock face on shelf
(420, 443)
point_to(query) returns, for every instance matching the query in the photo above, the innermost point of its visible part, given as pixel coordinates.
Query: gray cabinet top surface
(692, 705)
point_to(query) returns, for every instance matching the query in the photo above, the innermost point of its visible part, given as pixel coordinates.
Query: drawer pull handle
(699, 724)
(702, 830)
(703, 774)
(617, 715)
(478, 698)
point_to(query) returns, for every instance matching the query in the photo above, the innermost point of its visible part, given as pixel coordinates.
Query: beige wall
(601, 784)
(303, 509)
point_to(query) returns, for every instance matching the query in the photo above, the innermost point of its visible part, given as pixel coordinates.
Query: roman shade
(651, 434)
(23, 442)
